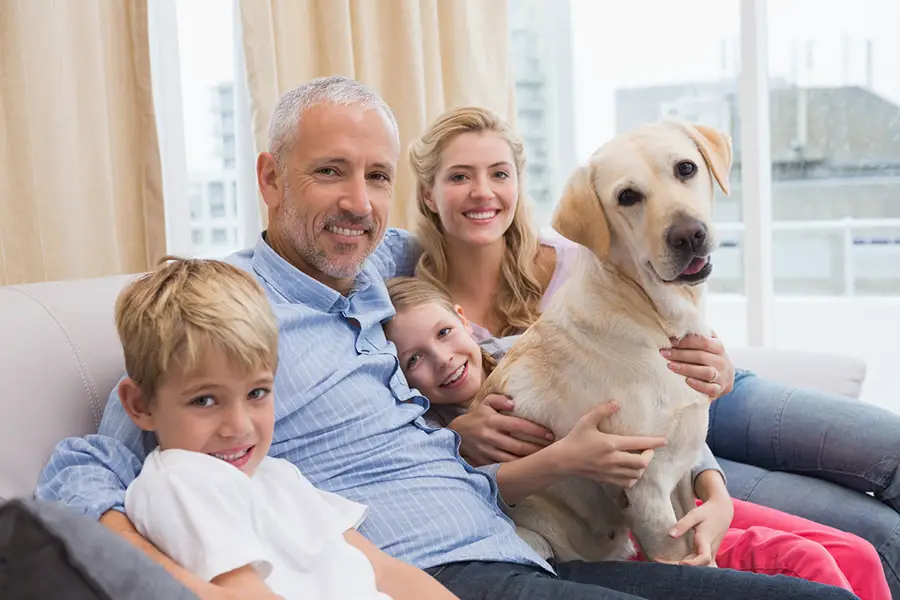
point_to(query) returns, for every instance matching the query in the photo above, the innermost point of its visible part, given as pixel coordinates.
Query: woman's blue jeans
(823, 457)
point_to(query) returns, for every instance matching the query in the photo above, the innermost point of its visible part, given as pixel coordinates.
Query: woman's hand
(604, 457)
(710, 521)
(487, 435)
(704, 362)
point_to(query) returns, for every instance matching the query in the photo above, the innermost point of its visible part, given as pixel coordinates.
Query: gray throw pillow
(48, 551)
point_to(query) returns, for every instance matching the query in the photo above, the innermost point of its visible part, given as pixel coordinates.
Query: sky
(644, 42)
(616, 43)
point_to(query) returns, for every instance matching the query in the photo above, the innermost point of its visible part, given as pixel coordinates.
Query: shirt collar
(296, 286)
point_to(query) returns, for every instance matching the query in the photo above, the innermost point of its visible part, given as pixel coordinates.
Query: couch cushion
(59, 359)
(832, 373)
(47, 551)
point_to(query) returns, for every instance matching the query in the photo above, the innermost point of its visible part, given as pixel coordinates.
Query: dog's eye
(629, 197)
(685, 169)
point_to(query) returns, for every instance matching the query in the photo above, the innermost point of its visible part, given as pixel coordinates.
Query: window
(619, 95)
(202, 120)
(540, 31)
(835, 129)
(827, 149)
(216, 199)
(196, 200)
(219, 236)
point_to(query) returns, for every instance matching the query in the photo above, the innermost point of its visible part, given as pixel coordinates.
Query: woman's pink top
(566, 255)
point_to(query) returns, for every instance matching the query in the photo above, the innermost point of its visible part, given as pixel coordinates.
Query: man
(345, 414)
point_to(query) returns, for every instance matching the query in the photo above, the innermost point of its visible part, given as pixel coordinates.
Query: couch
(60, 357)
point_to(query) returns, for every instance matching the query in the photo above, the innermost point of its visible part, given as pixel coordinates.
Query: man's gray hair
(285, 121)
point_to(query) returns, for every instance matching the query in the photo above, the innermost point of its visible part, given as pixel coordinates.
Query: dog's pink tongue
(695, 266)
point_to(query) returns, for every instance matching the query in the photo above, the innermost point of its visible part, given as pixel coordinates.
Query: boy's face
(437, 353)
(214, 409)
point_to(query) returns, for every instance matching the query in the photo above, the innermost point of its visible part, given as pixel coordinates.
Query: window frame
(756, 173)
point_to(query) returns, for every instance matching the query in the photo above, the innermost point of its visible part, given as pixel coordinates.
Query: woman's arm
(397, 579)
(704, 362)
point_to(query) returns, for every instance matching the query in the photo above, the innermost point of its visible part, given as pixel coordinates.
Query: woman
(806, 453)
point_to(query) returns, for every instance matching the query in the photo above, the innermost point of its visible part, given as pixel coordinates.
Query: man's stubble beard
(308, 250)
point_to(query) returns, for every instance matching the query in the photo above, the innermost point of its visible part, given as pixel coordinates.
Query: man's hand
(704, 362)
(215, 592)
(122, 525)
(243, 583)
(395, 578)
(204, 590)
(615, 459)
(487, 435)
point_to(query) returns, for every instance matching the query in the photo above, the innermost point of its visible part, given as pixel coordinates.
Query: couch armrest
(831, 373)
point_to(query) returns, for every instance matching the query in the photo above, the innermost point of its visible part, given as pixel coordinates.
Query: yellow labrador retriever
(641, 210)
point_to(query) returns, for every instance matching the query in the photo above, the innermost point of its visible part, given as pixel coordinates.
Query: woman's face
(476, 188)
(437, 353)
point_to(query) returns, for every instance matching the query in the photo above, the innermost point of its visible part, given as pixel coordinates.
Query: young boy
(201, 350)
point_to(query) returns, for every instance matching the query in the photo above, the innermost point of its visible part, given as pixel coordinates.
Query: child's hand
(607, 458)
(710, 521)
(487, 435)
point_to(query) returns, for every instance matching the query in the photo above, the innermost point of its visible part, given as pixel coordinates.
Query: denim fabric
(622, 581)
(823, 457)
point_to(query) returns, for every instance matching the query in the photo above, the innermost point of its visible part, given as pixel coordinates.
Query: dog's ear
(715, 146)
(579, 215)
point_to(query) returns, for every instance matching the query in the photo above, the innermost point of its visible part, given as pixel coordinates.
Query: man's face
(335, 193)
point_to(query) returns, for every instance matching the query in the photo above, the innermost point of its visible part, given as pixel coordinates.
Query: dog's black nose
(687, 234)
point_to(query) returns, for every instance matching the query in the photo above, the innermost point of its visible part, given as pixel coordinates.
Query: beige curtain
(80, 183)
(422, 56)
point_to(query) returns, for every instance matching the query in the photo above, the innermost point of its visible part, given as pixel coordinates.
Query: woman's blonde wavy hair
(519, 297)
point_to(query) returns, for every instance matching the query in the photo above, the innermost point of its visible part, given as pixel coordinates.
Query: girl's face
(476, 188)
(437, 353)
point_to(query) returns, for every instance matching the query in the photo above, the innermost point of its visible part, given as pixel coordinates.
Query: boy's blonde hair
(519, 297)
(410, 292)
(185, 307)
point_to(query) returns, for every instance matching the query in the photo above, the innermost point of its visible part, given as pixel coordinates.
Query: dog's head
(646, 198)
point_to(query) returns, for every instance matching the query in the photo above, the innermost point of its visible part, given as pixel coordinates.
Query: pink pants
(765, 540)
(768, 541)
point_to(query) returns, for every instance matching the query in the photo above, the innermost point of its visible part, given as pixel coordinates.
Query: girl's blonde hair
(410, 292)
(519, 297)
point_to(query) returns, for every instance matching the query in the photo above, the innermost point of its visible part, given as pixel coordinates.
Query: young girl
(440, 358)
